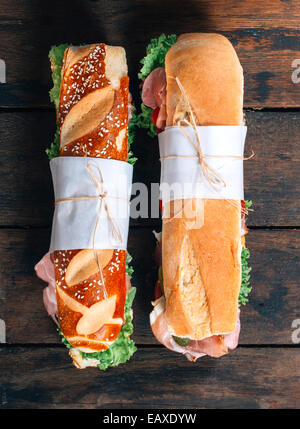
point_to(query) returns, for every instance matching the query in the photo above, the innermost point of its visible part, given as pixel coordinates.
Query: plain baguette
(202, 267)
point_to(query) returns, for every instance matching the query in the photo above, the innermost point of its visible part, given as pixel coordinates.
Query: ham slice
(128, 283)
(154, 88)
(130, 107)
(45, 271)
(154, 94)
(162, 334)
(232, 339)
(214, 346)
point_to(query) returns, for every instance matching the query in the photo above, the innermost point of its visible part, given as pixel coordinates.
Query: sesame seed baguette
(93, 120)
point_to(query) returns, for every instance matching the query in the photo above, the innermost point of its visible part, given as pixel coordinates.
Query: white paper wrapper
(74, 221)
(184, 175)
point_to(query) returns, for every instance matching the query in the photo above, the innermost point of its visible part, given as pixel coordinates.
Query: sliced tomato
(155, 114)
(154, 117)
(244, 226)
(243, 206)
(160, 205)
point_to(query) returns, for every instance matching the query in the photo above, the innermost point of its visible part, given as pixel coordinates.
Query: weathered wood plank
(265, 35)
(33, 378)
(271, 178)
(266, 319)
(27, 195)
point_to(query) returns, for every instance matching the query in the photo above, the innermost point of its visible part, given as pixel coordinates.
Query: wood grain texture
(271, 178)
(267, 318)
(153, 378)
(265, 35)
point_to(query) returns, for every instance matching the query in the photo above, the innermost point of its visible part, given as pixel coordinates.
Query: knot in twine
(211, 175)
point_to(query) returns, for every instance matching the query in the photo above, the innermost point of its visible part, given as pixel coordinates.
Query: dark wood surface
(264, 371)
(269, 28)
(154, 378)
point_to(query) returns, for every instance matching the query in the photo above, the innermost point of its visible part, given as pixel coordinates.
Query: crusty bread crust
(202, 264)
(202, 270)
(91, 109)
(86, 115)
(210, 72)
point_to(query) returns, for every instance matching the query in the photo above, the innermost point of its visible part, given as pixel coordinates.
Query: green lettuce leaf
(131, 134)
(245, 285)
(248, 204)
(156, 53)
(56, 55)
(123, 348)
(144, 120)
(53, 151)
(128, 268)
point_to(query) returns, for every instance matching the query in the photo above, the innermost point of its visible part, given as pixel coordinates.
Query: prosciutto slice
(154, 88)
(214, 346)
(45, 271)
(154, 94)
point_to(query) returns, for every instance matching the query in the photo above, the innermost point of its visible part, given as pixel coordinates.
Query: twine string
(213, 178)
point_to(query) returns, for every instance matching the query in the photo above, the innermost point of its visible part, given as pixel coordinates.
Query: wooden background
(35, 370)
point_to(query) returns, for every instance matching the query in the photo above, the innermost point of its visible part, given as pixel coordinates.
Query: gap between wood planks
(149, 346)
(38, 109)
(157, 225)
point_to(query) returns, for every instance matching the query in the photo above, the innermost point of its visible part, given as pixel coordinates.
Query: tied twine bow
(212, 176)
(102, 196)
(209, 173)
